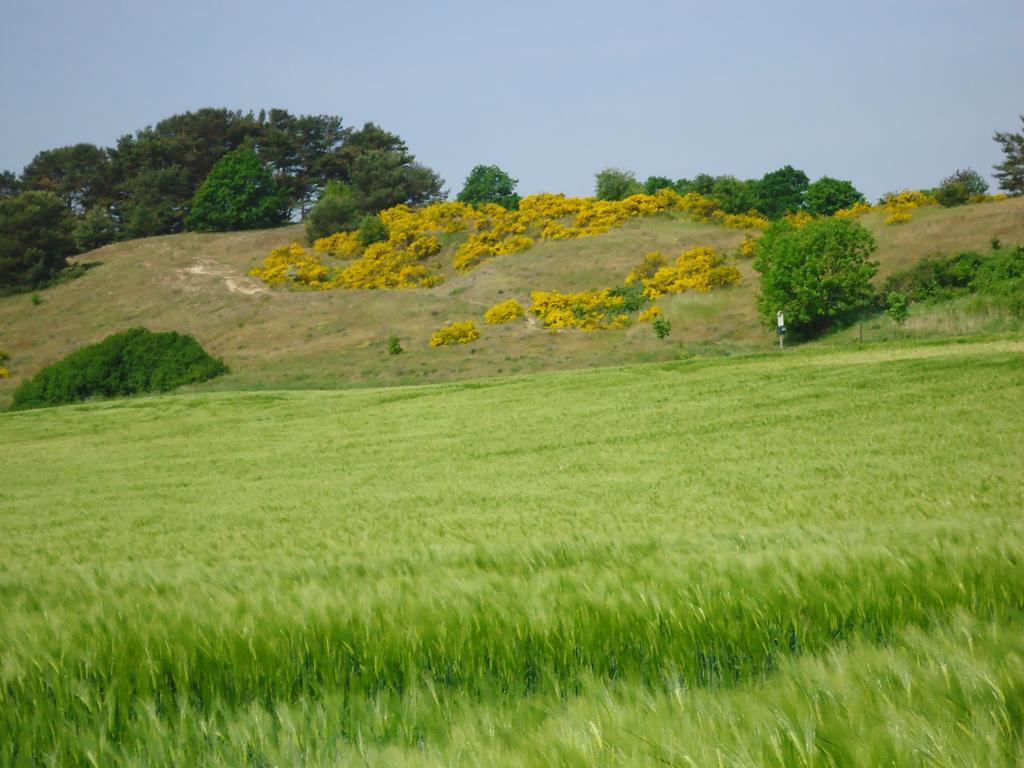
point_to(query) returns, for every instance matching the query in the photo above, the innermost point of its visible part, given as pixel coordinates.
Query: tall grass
(739, 563)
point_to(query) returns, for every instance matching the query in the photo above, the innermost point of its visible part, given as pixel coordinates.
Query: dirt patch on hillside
(235, 283)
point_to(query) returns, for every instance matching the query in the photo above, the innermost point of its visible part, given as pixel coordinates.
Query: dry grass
(197, 284)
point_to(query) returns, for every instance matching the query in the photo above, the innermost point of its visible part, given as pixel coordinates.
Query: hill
(198, 284)
(809, 559)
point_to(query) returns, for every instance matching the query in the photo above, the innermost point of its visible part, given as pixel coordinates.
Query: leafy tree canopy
(490, 184)
(782, 191)
(80, 175)
(35, 238)
(240, 193)
(735, 196)
(338, 210)
(827, 195)
(817, 275)
(615, 184)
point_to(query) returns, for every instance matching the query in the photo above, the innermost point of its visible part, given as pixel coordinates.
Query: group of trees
(212, 169)
(775, 194)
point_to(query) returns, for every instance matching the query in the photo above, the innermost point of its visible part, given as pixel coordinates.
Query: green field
(807, 559)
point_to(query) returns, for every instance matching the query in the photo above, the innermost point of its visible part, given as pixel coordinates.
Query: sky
(886, 94)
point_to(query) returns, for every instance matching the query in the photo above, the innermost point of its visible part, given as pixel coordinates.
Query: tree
(379, 167)
(1010, 172)
(735, 196)
(827, 195)
(94, 230)
(338, 210)
(35, 239)
(490, 184)
(239, 193)
(818, 274)
(782, 191)
(9, 184)
(615, 184)
(80, 175)
(959, 187)
(656, 183)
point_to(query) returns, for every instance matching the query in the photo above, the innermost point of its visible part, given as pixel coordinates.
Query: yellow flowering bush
(749, 247)
(4, 357)
(898, 205)
(698, 269)
(504, 312)
(648, 265)
(292, 264)
(586, 310)
(341, 245)
(455, 333)
(383, 266)
(799, 219)
(855, 210)
(649, 314)
(748, 220)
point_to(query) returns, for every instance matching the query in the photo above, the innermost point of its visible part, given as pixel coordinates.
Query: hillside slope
(197, 284)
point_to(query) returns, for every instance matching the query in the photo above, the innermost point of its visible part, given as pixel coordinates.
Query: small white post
(781, 320)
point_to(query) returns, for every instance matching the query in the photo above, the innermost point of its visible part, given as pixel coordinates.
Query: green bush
(960, 187)
(372, 230)
(662, 327)
(337, 210)
(126, 363)
(827, 195)
(937, 277)
(395, 345)
(896, 305)
(632, 296)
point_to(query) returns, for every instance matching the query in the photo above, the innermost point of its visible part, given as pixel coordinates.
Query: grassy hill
(809, 559)
(275, 339)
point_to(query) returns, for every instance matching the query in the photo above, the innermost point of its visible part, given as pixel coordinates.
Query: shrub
(127, 363)
(505, 312)
(651, 313)
(698, 269)
(455, 333)
(615, 184)
(655, 183)
(647, 267)
(662, 327)
(371, 230)
(36, 299)
(937, 277)
(585, 310)
(896, 305)
(394, 345)
(960, 188)
(239, 193)
(632, 295)
(818, 274)
(337, 210)
(4, 357)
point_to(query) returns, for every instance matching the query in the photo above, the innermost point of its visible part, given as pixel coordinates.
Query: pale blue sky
(887, 94)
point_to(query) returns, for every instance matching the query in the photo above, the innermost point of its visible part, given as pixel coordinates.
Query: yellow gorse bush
(648, 265)
(504, 312)
(650, 313)
(455, 333)
(341, 245)
(855, 210)
(698, 269)
(586, 310)
(4, 357)
(293, 264)
(749, 247)
(898, 205)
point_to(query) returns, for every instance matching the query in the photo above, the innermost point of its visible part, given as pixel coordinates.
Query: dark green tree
(1010, 172)
(298, 148)
(372, 230)
(782, 191)
(654, 183)
(240, 193)
(338, 210)
(154, 203)
(490, 184)
(958, 188)
(702, 184)
(35, 239)
(827, 195)
(9, 184)
(94, 229)
(615, 184)
(81, 175)
(818, 275)
(735, 196)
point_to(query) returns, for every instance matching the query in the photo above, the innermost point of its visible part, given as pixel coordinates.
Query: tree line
(75, 198)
